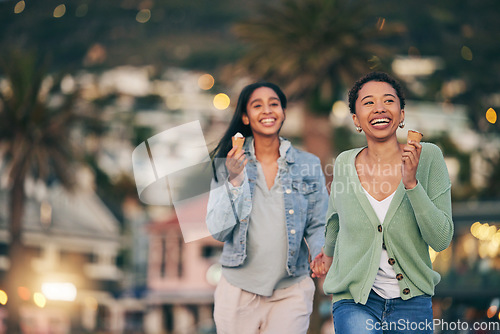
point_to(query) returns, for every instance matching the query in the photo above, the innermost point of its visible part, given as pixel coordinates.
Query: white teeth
(267, 120)
(380, 120)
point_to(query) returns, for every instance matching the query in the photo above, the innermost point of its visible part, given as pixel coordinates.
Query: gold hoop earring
(402, 124)
(359, 129)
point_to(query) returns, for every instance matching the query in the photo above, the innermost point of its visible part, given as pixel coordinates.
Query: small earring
(359, 129)
(402, 124)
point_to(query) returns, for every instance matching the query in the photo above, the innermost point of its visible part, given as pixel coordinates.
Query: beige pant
(287, 311)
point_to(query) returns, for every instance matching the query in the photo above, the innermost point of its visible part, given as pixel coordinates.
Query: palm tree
(314, 49)
(34, 143)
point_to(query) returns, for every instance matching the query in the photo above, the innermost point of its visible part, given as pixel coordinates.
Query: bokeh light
(206, 81)
(491, 115)
(492, 310)
(39, 299)
(59, 11)
(221, 101)
(380, 23)
(143, 16)
(24, 293)
(19, 8)
(3, 297)
(214, 274)
(59, 291)
(466, 53)
(340, 110)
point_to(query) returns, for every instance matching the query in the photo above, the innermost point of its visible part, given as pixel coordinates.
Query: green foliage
(176, 31)
(314, 48)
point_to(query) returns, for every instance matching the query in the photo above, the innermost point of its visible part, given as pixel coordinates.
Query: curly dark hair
(375, 76)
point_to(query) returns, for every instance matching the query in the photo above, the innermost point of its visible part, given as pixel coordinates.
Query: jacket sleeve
(432, 208)
(315, 227)
(227, 205)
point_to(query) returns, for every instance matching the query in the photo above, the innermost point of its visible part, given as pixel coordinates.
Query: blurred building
(470, 267)
(72, 242)
(181, 281)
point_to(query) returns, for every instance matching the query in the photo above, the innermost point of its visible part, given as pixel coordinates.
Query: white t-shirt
(385, 285)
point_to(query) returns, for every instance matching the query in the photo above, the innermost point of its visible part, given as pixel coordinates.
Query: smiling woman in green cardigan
(389, 203)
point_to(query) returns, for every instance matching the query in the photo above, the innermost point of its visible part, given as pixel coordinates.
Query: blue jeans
(384, 316)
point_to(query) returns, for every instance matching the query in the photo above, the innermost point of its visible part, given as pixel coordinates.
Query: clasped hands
(320, 265)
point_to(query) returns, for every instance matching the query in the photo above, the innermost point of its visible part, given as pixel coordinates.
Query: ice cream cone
(414, 135)
(238, 141)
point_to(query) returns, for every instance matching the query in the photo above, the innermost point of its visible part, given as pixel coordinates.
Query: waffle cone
(238, 142)
(414, 135)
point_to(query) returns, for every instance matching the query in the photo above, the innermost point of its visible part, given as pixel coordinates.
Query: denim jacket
(305, 198)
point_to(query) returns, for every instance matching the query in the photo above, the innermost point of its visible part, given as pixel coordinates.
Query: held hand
(235, 164)
(320, 265)
(410, 159)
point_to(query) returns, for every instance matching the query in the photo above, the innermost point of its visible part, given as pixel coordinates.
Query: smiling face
(378, 110)
(265, 114)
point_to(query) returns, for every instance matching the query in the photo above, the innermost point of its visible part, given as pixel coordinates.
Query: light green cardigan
(416, 219)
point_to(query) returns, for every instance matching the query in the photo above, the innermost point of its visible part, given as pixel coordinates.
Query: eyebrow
(260, 100)
(367, 96)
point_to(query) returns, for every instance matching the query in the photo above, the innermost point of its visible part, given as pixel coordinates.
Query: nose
(267, 109)
(379, 106)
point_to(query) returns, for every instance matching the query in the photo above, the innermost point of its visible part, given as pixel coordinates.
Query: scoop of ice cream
(238, 135)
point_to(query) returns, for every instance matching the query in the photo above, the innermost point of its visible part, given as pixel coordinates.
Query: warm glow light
(59, 11)
(206, 81)
(19, 8)
(24, 293)
(340, 110)
(432, 254)
(221, 101)
(466, 53)
(483, 250)
(39, 299)
(474, 228)
(491, 116)
(3, 297)
(59, 291)
(469, 245)
(483, 231)
(492, 310)
(143, 16)
(380, 23)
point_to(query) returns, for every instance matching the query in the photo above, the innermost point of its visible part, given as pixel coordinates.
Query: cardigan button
(379, 228)
(391, 261)
(399, 277)
(406, 291)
